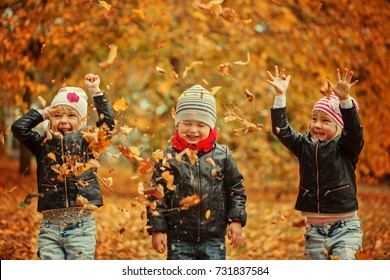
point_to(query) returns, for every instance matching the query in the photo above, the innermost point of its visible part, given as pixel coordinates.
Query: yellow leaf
(208, 213)
(120, 105)
(139, 12)
(105, 5)
(52, 156)
(214, 90)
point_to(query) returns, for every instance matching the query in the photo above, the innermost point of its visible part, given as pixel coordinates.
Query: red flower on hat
(72, 97)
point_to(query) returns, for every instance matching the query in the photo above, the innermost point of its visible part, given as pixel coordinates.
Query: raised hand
(280, 81)
(343, 85)
(92, 82)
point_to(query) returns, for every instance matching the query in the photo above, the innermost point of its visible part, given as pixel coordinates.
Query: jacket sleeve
(105, 113)
(235, 192)
(22, 130)
(291, 139)
(156, 221)
(352, 135)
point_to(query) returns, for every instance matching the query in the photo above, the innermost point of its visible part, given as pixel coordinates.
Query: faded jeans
(337, 240)
(214, 248)
(67, 241)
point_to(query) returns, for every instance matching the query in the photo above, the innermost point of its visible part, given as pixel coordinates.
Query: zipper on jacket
(337, 189)
(318, 178)
(65, 180)
(200, 195)
(306, 190)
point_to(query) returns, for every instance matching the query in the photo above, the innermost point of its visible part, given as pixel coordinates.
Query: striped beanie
(74, 97)
(331, 106)
(196, 103)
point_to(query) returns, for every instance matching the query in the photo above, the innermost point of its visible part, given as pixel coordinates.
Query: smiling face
(193, 131)
(65, 120)
(323, 127)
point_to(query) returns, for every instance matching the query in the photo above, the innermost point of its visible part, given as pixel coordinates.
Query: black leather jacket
(61, 192)
(223, 198)
(326, 168)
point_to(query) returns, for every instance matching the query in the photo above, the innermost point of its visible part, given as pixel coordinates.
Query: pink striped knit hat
(331, 106)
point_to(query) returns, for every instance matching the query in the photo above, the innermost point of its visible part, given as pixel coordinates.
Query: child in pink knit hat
(67, 183)
(327, 155)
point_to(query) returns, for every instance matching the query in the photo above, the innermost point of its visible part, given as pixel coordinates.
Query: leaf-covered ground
(274, 230)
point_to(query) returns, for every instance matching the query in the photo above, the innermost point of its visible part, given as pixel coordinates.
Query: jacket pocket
(328, 192)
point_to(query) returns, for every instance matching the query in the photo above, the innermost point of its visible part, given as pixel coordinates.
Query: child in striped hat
(203, 196)
(327, 154)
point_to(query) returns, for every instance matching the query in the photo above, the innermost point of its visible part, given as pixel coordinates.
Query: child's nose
(64, 119)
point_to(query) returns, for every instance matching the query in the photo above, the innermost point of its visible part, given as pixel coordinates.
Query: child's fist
(92, 82)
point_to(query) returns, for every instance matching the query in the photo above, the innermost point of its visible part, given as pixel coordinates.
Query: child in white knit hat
(200, 194)
(327, 154)
(66, 182)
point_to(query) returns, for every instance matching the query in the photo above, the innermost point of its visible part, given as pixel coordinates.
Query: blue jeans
(338, 240)
(213, 248)
(67, 241)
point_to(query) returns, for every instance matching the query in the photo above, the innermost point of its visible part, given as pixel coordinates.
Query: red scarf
(203, 146)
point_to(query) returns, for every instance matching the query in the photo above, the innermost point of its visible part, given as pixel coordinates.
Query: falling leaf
(213, 7)
(175, 75)
(98, 138)
(248, 95)
(2, 139)
(125, 130)
(208, 213)
(173, 112)
(160, 70)
(42, 101)
(214, 90)
(111, 57)
(190, 67)
(43, 46)
(190, 201)
(211, 161)
(158, 155)
(52, 156)
(120, 105)
(105, 5)
(225, 69)
(145, 166)
(169, 179)
(131, 153)
(157, 192)
(229, 15)
(139, 13)
(248, 59)
(191, 154)
(299, 223)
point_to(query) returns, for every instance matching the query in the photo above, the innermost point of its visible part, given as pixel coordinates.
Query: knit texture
(196, 103)
(331, 106)
(74, 97)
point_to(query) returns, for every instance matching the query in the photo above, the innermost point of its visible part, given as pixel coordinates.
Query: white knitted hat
(74, 97)
(196, 103)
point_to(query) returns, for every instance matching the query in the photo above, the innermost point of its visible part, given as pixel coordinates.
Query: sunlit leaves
(98, 138)
(131, 153)
(105, 5)
(120, 105)
(111, 57)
